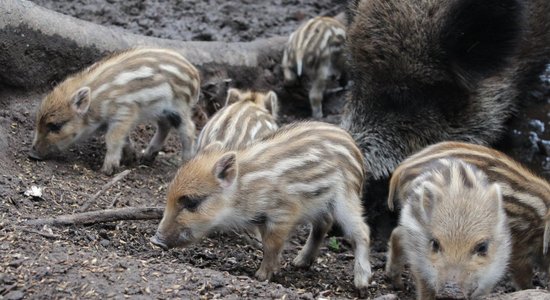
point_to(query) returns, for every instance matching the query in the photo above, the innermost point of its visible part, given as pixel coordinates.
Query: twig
(44, 234)
(115, 200)
(7, 289)
(108, 185)
(102, 216)
(14, 202)
(524, 294)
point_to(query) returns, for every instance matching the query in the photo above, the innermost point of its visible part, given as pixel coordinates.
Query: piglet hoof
(129, 157)
(263, 275)
(148, 158)
(317, 116)
(302, 262)
(109, 169)
(396, 281)
(363, 293)
(394, 277)
(361, 279)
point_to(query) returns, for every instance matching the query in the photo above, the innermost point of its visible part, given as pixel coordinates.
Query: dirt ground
(116, 260)
(209, 20)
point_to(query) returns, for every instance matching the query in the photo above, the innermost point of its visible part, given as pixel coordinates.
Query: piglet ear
(272, 103)
(428, 199)
(213, 147)
(80, 101)
(495, 195)
(226, 169)
(233, 96)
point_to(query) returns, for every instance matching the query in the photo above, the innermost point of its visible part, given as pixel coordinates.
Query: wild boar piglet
(304, 172)
(316, 50)
(469, 213)
(117, 93)
(246, 117)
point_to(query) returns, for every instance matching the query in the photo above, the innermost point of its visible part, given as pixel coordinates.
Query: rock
(537, 126)
(6, 279)
(14, 295)
(105, 242)
(532, 146)
(544, 147)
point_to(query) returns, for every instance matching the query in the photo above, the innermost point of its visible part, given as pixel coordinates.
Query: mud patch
(42, 49)
(213, 20)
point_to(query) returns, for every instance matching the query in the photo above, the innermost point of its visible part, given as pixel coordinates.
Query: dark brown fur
(427, 71)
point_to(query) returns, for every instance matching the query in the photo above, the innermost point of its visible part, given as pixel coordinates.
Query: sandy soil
(116, 260)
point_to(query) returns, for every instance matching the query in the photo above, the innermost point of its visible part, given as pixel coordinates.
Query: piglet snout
(451, 290)
(34, 154)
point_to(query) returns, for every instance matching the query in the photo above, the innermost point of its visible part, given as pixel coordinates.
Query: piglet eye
(481, 248)
(190, 202)
(435, 245)
(55, 127)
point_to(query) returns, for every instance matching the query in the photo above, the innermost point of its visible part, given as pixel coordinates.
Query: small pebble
(537, 126)
(14, 295)
(544, 146)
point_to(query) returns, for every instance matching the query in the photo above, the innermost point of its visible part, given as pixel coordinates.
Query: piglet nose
(34, 154)
(451, 290)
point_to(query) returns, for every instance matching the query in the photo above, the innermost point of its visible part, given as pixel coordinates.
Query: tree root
(41, 47)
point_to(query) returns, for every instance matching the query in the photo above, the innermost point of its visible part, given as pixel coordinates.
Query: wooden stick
(105, 187)
(524, 294)
(102, 216)
(44, 234)
(115, 199)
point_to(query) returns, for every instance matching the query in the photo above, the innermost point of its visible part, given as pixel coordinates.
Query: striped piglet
(117, 93)
(246, 117)
(308, 171)
(316, 50)
(468, 214)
